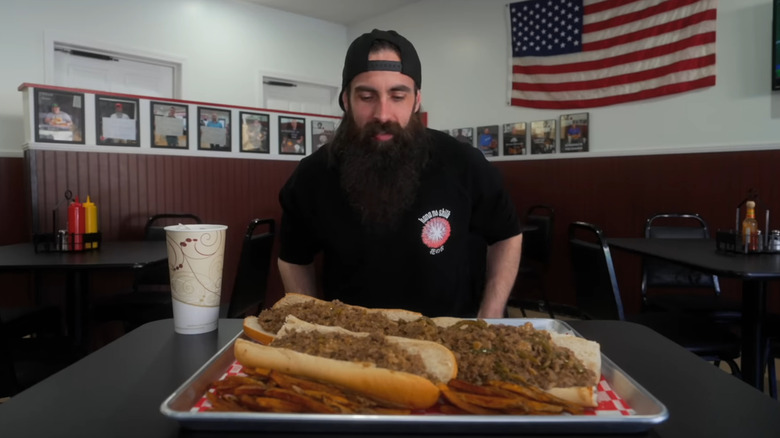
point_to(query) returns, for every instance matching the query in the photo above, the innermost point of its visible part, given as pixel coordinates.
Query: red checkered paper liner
(610, 404)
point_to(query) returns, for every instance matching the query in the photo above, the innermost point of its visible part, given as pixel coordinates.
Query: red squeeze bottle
(76, 225)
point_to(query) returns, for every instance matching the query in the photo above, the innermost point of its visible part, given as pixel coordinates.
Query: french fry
(463, 386)
(224, 405)
(456, 399)
(277, 405)
(311, 404)
(288, 381)
(257, 389)
(231, 382)
(258, 372)
(538, 395)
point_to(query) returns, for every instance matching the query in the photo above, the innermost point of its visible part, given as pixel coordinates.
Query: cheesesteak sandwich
(395, 371)
(565, 366)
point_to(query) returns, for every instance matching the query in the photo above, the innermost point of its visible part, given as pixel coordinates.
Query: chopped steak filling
(484, 351)
(374, 348)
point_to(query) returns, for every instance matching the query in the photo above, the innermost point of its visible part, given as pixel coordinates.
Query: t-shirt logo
(436, 229)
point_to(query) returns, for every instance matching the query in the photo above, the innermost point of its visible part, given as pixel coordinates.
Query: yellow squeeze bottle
(90, 220)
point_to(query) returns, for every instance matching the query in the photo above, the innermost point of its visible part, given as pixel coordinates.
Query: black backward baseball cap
(357, 62)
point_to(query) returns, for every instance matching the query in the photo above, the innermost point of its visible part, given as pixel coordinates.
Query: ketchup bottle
(76, 225)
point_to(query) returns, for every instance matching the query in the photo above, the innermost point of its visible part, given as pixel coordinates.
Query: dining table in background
(118, 390)
(78, 265)
(754, 271)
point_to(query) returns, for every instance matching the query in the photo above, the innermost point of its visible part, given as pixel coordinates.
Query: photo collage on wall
(57, 115)
(569, 133)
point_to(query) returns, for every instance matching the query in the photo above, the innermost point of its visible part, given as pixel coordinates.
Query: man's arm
(298, 278)
(503, 260)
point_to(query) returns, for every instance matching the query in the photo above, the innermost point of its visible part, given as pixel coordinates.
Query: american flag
(591, 53)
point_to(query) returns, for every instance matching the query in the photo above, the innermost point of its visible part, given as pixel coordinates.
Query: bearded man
(393, 206)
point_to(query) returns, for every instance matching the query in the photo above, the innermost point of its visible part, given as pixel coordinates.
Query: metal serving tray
(645, 410)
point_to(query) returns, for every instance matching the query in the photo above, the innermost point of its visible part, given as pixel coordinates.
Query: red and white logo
(436, 230)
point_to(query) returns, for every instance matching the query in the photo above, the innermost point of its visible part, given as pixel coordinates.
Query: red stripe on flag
(688, 64)
(637, 16)
(709, 81)
(653, 52)
(663, 28)
(609, 4)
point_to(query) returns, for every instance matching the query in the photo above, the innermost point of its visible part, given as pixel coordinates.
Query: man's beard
(380, 179)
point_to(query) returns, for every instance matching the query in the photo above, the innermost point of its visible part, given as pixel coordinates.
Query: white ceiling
(344, 12)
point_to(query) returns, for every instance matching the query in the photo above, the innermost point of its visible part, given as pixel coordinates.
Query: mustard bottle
(90, 221)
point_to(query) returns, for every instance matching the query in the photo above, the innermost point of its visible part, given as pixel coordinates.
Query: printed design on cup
(436, 230)
(196, 261)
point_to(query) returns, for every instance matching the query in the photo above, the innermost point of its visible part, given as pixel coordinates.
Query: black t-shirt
(426, 264)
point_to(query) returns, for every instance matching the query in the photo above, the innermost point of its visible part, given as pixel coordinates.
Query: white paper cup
(196, 256)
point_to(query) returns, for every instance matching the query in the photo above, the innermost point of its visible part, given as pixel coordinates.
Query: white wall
(224, 45)
(463, 48)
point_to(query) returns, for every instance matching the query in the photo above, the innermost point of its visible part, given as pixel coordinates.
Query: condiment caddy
(747, 236)
(81, 231)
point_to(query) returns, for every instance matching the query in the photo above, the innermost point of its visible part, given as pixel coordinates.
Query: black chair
(254, 266)
(530, 291)
(32, 346)
(150, 296)
(660, 274)
(598, 297)
(772, 352)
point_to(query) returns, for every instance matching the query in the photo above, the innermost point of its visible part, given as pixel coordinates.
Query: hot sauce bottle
(750, 228)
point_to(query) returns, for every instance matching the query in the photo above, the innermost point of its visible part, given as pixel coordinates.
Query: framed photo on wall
(543, 137)
(488, 140)
(574, 133)
(292, 135)
(322, 132)
(169, 125)
(464, 135)
(214, 129)
(59, 116)
(514, 138)
(117, 121)
(254, 132)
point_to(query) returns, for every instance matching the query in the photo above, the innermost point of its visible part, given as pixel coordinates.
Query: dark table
(753, 269)
(78, 266)
(117, 391)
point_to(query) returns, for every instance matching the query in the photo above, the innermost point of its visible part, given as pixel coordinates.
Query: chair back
(595, 282)
(658, 273)
(155, 225)
(537, 244)
(254, 266)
